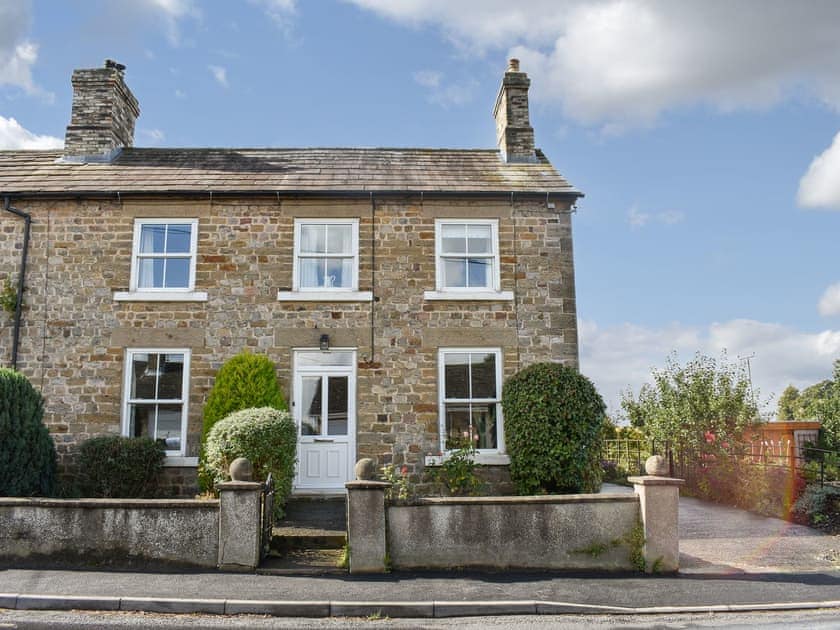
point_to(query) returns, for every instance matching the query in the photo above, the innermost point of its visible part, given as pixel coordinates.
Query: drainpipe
(19, 303)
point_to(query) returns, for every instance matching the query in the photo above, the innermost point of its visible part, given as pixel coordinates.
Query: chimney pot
(513, 65)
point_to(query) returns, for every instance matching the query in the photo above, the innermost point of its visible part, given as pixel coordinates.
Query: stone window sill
(469, 296)
(177, 461)
(325, 296)
(487, 459)
(160, 296)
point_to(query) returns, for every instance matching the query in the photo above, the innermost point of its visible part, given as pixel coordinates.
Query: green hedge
(266, 436)
(245, 381)
(553, 423)
(27, 452)
(120, 467)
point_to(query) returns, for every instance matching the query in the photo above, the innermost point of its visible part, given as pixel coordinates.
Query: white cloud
(620, 357)
(830, 301)
(14, 136)
(17, 54)
(153, 136)
(616, 63)
(445, 94)
(637, 219)
(281, 12)
(170, 13)
(820, 186)
(220, 74)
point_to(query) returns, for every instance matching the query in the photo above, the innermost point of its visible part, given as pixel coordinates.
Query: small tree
(553, 425)
(27, 452)
(244, 381)
(687, 404)
(788, 405)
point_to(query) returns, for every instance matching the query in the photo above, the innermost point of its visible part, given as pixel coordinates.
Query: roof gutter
(7, 206)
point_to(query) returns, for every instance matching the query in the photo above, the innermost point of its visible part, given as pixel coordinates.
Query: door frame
(326, 370)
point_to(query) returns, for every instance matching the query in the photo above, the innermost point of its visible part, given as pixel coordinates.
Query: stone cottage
(394, 289)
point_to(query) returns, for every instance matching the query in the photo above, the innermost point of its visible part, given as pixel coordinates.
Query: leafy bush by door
(553, 423)
(266, 436)
(27, 452)
(244, 381)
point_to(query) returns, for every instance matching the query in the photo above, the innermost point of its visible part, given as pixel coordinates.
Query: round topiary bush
(553, 423)
(243, 382)
(27, 452)
(266, 436)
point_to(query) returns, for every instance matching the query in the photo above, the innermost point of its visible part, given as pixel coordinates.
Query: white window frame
(333, 294)
(483, 455)
(162, 294)
(492, 292)
(184, 401)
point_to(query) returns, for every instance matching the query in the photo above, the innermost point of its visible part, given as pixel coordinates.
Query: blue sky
(705, 136)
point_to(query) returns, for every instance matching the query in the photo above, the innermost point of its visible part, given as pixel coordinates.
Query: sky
(705, 135)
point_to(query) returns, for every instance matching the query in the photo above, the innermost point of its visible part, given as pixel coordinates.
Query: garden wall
(112, 532)
(585, 531)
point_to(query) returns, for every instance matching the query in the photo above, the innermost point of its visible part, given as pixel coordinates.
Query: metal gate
(267, 516)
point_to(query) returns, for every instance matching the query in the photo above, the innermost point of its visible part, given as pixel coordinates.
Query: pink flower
(710, 437)
(404, 470)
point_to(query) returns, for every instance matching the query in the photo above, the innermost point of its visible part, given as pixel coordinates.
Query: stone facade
(514, 134)
(74, 334)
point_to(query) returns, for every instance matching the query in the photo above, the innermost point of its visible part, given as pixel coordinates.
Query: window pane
(456, 373)
(339, 239)
(171, 376)
(150, 273)
(152, 238)
(484, 425)
(339, 273)
(453, 239)
(143, 375)
(178, 238)
(457, 426)
(454, 272)
(479, 239)
(141, 420)
(311, 272)
(169, 426)
(177, 273)
(483, 375)
(479, 269)
(337, 405)
(310, 406)
(312, 239)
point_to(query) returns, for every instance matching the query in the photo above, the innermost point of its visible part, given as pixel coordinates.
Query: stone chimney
(514, 134)
(104, 111)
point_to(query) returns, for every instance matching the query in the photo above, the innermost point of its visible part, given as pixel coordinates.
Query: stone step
(315, 513)
(304, 562)
(288, 538)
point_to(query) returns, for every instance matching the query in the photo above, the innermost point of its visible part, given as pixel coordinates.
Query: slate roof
(156, 170)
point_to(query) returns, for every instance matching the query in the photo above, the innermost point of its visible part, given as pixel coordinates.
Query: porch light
(324, 343)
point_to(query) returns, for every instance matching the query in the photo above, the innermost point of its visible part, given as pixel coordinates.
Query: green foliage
(553, 422)
(819, 507)
(8, 296)
(245, 381)
(401, 490)
(457, 473)
(821, 401)
(685, 403)
(113, 466)
(787, 409)
(635, 541)
(267, 437)
(27, 452)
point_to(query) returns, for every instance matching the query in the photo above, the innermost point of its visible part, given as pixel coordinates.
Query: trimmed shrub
(245, 381)
(27, 452)
(819, 506)
(553, 423)
(267, 437)
(113, 466)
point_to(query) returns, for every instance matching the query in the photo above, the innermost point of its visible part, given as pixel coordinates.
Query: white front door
(324, 404)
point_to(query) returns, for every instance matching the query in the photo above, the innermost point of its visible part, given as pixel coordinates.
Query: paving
(731, 561)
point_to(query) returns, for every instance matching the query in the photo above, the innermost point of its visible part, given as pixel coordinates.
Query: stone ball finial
(241, 469)
(656, 466)
(365, 469)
